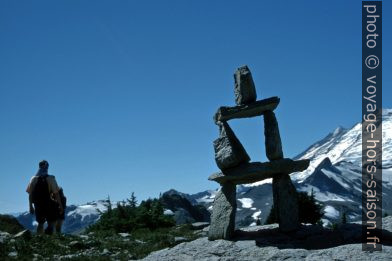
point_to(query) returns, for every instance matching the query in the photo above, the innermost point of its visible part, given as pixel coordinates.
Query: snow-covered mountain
(76, 217)
(334, 175)
(345, 145)
(335, 170)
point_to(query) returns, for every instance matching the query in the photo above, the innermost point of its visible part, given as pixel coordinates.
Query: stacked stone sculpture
(236, 168)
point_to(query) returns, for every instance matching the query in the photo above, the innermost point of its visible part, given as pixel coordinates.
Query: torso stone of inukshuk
(233, 160)
(273, 144)
(229, 151)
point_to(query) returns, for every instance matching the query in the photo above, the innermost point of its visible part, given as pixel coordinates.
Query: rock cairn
(236, 168)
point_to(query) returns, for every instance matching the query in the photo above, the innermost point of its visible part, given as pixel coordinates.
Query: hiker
(60, 215)
(40, 188)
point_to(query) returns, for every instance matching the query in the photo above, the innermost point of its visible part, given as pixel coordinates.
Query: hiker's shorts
(45, 212)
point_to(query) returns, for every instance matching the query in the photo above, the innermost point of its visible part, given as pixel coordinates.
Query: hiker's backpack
(40, 192)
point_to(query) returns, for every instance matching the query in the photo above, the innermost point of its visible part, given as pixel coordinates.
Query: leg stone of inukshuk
(223, 213)
(284, 192)
(244, 88)
(229, 151)
(285, 203)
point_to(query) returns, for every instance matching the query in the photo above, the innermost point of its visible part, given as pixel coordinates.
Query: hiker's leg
(49, 229)
(51, 217)
(59, 224)
(40, 228)
(40, 218)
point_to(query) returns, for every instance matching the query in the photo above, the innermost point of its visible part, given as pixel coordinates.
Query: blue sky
(119, 96)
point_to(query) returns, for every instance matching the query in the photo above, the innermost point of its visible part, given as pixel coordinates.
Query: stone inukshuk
(232, 159)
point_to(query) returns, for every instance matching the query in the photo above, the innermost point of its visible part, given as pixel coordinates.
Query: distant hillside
(10, 224)
(182, 208)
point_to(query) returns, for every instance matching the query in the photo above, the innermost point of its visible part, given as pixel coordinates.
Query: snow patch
(246, 202)
(258, 183)
(206, 199)
(326, 222)
(168, 212)
(88, 210)
(256, 215)
(338, 130)
(331, 212)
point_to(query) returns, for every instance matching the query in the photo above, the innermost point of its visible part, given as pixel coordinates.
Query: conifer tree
(344, 218)
(132, 202)
(309, 210)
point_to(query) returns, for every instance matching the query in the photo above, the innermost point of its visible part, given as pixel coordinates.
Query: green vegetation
(102, 245)
(309, 210)
(128, 217)
(126, 232)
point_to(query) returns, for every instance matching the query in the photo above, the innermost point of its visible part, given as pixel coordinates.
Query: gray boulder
(244, 88)
(229, 151)
(4, 236)
(25, 234)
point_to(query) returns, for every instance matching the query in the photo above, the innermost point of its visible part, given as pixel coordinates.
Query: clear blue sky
(119, 96)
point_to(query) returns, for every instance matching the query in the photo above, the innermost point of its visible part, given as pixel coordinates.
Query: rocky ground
(267, 243)
(202, 249)
(252, 243)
